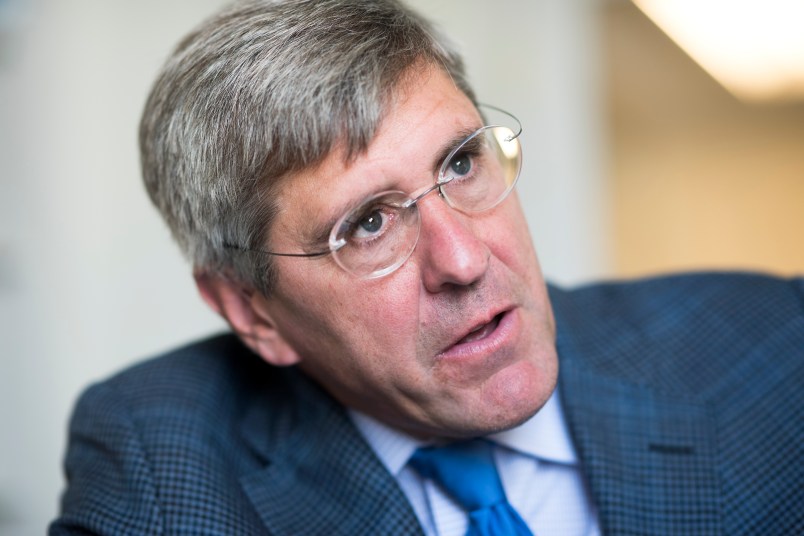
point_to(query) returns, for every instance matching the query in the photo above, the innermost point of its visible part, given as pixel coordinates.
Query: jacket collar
(318, 476)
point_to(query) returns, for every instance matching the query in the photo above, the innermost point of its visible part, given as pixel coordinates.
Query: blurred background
(637, 161)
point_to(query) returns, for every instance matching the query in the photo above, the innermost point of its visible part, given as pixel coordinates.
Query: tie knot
(465, 470)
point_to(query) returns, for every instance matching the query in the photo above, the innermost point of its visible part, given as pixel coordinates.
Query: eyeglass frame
(335, 246)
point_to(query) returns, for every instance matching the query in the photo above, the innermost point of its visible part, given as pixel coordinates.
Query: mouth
(482, 331)
(483, 338)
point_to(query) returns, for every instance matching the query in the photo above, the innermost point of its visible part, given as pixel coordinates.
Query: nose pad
(450, 253)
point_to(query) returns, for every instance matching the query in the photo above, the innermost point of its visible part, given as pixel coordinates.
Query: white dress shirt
(537, 465)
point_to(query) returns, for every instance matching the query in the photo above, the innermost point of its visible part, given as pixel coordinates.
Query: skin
(387, 347)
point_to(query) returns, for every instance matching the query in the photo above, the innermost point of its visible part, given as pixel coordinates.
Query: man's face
(458, 341)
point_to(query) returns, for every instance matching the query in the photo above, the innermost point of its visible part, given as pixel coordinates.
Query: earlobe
(272, 346)
(245, 311)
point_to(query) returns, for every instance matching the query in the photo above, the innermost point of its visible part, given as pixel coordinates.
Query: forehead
(422, 122)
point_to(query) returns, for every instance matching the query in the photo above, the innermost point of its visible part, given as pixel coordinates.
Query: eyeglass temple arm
(275, 253)
(509, 114)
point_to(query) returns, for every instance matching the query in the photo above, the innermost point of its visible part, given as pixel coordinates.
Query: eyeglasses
(379, 234)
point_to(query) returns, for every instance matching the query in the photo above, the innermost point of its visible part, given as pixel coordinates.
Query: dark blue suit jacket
(684, 396)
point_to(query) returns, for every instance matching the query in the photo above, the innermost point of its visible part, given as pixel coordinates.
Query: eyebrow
(321, 234)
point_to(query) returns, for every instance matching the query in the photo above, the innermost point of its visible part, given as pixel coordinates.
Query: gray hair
(264, 89)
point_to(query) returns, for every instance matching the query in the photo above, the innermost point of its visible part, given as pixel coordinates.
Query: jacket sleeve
(110, 486)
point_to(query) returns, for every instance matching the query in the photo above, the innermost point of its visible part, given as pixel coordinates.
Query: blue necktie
(466, 471)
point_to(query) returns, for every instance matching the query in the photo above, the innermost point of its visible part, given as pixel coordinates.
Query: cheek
(385, 312)
(364, 341)
(508, 237)
(354, 322)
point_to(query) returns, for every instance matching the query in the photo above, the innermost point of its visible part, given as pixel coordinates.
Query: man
(349, 210)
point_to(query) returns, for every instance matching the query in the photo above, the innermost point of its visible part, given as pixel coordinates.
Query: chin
(484, 424)
(512, 398)
(516, 395)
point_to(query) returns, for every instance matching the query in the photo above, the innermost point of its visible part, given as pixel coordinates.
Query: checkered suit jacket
(684, 396)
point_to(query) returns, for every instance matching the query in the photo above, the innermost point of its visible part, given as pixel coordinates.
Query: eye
(461, 164)
(466, 162)
(369, 224)
(377, 235)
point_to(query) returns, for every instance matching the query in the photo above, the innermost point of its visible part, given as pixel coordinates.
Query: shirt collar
(543, 436)
(394, 448)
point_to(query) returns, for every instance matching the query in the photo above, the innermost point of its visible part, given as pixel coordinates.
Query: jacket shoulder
(682, 331)
(162, 439)
(199, 376)
(714, 362)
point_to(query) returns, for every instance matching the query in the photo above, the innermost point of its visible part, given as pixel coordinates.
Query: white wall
(89, 278)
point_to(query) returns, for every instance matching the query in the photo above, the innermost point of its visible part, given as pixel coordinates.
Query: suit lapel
(649, 459)
(320, 477)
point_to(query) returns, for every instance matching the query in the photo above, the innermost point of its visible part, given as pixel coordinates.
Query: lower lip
(492, 344)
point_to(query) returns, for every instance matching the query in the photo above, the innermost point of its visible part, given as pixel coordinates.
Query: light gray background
(89, 278)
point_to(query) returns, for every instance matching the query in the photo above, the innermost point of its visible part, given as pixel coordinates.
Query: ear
(246, 312)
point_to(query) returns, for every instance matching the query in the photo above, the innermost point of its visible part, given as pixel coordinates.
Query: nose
(449, 252)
